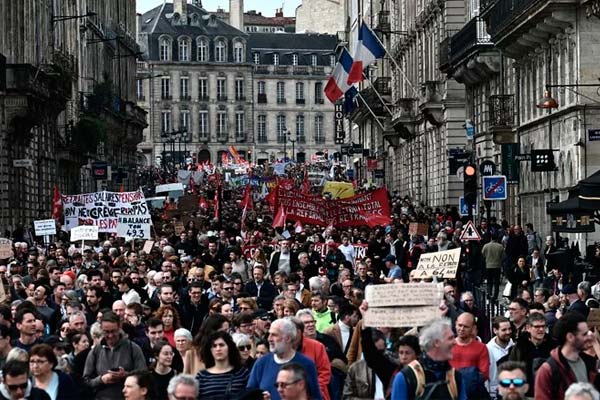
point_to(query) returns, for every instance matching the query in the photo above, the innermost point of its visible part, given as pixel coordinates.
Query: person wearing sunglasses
(512, 381)
(16, 384)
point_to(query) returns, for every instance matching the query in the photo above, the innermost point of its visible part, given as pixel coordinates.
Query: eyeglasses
(228, 288)
(285, 385)
(518, 382)
(246, 347)
(21, 386)
(39, 361)
(538, 326)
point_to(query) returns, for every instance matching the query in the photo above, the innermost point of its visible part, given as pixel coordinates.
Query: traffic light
(470, 184)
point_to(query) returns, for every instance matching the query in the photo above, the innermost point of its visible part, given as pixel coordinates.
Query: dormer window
(294, 59)
(314, 61)
(184, 49)
(275, 59)
(238, 52)
(165, 49)
(332, 61)
(220, 51)
(202, 49)
(256, 58)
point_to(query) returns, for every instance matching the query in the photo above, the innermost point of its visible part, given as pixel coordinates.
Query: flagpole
(370, 110)
(379, 95)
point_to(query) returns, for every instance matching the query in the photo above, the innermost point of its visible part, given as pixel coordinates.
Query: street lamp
(289, 136)
(287, 133)
(549, 103)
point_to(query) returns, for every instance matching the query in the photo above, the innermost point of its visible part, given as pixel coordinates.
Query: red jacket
(545, 389)
(316, 352)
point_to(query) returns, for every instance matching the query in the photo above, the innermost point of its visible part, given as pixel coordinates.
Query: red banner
(371, 208)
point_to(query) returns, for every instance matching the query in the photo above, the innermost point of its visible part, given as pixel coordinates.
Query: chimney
(279, 13)
(180, 7)
(197, 3)
(236, 14)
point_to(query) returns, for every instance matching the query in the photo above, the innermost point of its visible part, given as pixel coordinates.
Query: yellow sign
(339, 190)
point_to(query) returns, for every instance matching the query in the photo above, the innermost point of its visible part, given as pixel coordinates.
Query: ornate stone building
(66, 91)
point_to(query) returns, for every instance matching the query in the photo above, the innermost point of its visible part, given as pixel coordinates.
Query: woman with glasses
(170, 319)
(244, 346)
(58, 385)
(224, 376)
(162, 371)
(63, 331)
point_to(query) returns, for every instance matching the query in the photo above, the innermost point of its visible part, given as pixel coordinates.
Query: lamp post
(289, 137)
(287, 133)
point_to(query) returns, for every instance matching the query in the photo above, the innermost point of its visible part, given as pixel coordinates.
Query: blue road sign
(463, 209)
(494, 187)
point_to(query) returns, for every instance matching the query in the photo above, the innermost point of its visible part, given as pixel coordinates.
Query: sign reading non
(134, 227)
(44, 227)
(84, 232)
(442, 264)
(338, 120)
(6, 250)
(494, 187)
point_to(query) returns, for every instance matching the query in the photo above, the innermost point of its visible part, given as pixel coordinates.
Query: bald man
(468, 351)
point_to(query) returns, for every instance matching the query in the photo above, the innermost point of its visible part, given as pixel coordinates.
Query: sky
(267, 7)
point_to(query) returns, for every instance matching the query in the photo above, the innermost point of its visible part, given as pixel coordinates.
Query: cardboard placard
(188, 202)
(593, 319)
(416, 228)
(402, 317)
(84, 232)
(179, 227)
(6, 250)
(148, 245)
(404, 294)
(133, 227)
(442, 264)
(44, 227)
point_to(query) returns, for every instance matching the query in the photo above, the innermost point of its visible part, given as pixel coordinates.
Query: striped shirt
(222, 386)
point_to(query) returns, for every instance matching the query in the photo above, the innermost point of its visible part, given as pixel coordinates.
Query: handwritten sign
(5, 248)
(133, 227)
(441, 264)
(148, 245)
(404, 294)
(415, 228)
(402, 317)
(84, 232)
(593, 319)
(44, 227)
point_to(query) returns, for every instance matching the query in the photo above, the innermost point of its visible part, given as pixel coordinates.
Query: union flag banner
(370, 208)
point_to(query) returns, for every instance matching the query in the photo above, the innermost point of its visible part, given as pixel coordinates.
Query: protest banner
(442, 264)
(416, 228)
(6, 250)
(133, 227)
(593, 319)
(44, 227)
(370, 208)
(84, 232)
(102, 209)
(148, 245)
(400, 317)
(404, 294)
(339, 190)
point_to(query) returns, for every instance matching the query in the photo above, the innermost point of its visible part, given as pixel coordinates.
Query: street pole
(285, 145)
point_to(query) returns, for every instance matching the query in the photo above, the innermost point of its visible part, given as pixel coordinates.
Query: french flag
(368, 49)
(338, 84)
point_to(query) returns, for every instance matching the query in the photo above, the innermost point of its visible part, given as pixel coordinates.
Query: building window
(184, 49)
(222, 89)
(319, 134)
(222, 126)
(239, 89)
(202, 50)
(300, 135)
(166, 121)
(280, 92)
(220, 51)
(238, 52)
(256, 58)
(240, 126)
(184, 120)
(299, 93)
(275, 59)
(319, 93)
(332, 61)
(314, 60)
(294, 59)
(281, 129)
(261, 129)
(262, 93)
(203, 89)
(184, 88)
(165, 88)
(165, 49)
(140, 89)
(203, 126)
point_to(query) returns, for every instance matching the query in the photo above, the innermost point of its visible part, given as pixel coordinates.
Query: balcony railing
(502, 111)
(301, 138)
(261, 69)
(503, 12)
(383, 85)
(280, 100)
(203, 98)
(445, 53)
(471, 35)
(287, 69)
(318, 70)
(300, 70)
(186, 98)
(300, 101)
(222, 98)
(281, 70)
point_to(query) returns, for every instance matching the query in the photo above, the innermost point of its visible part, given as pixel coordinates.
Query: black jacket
(267, 293)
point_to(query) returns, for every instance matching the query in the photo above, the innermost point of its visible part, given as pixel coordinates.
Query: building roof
(254, 18)
(292, 41)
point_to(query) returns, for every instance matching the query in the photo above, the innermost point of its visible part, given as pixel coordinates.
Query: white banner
(44, 227)
(134, 227)
(442, 264)
(102, 209)
(84, 232)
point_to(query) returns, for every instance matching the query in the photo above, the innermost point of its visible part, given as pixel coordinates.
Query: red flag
(298, 227)
(247, 200)
(202, 203)
(305, 183)
(121, 188)
(279, 220)
(192, 183)
(56, 204)
(271, 197)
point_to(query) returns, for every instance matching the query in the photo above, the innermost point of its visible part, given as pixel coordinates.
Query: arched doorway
(204, 156)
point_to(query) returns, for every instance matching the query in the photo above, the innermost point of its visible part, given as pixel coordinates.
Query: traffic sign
(487, 168)
(494, 187)
(463, 208)
(470, 232)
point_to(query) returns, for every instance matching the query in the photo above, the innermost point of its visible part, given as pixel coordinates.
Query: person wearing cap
(575, 302)
(394, 271)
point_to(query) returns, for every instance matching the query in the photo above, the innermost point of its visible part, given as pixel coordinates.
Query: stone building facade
(322, 16)
(66, 91)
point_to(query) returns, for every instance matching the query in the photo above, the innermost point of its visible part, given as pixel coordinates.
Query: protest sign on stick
(404, 294)
(442, 264)
(400, 317)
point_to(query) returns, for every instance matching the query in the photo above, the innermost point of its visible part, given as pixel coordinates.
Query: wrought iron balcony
(300, 70)
(502, 118)
(445, 54)
(383, 22)
(472, 35)
(402, 123)
(383, 85)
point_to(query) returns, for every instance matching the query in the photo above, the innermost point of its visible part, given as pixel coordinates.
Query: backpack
(423, 390)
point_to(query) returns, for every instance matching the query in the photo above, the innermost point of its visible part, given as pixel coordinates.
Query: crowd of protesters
(218, 310)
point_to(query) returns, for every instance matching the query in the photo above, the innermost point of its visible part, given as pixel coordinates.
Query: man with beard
(211, 257)
(512, 381)
(498, 348)
(283, 259)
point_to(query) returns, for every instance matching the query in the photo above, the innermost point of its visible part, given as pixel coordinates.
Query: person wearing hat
(575, 302)
(394, 270)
